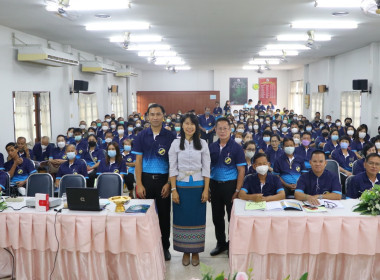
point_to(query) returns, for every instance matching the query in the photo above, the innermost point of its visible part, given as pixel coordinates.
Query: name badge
(161, 151)
(227, 160)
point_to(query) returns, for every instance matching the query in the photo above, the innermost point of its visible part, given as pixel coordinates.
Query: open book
(283, 205)
(250, 205)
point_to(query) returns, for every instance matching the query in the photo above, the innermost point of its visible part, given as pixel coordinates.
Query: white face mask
(362, 135)
(61, 144)
(267, 122)
(256, 127)
(82, 126)
(104, 127)
(108, 140)
(240, 130)
(294, 130)
(327, 120)
(338, 124)
(120, 131)
(113, 126)
(274, 128)
(250, 154)
(377, 144)
(350, 132)
(289, 150)
(250, 127)
(238, 140)
(43, 147)
(138, 125)
(296, 141)
(108, 120)
(262, 170)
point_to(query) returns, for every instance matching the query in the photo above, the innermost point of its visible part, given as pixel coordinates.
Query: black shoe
(167, 255)
(218, 249)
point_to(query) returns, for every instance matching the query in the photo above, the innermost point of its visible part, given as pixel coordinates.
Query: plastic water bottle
(64, 200)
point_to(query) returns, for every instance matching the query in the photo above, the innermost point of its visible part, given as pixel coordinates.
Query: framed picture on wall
(268, 90)
(238, 91)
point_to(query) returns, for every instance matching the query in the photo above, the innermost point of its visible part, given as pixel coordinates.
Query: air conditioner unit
(97, 67)
(125, 74)
(45, 56)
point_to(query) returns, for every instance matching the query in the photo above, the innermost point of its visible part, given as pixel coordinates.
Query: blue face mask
(344, 145)
(334, 137)
(78, 137)
(232, 129)
(126, 148)
(111, 153)
(266, 138)
(130, 129)
(98, 124)
(121, 122)
(177, 129)
(70, 155)
(308, 128)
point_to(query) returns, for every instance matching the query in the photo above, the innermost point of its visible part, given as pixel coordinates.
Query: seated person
(365, 180)
(3, 182)
(1, 161)
(332, 144)
(130, 160)
(321, 140)
(261, 186)
(360, 139)
(289, 167)
(249, 152)
(70, 136)
(177, 130)
(264, 143)
(108, 139)
(42, 150)
(72, 166)
(102, 132)
(18, 168)
(81, 144)
(113, 162)
(344, 156)
(358, 166)
(274, 151)
(120, 135)
(57, 155)
(318, 183)
(304, 151)
(23, 150)
(130, 133)
(93, 156)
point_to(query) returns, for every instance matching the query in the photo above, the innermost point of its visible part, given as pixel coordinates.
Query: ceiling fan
(371, 7)
(60, 8)
(260, 70)
(267, 65)
(310, 43)
(127, 40)
(283, 58)
(152, 58)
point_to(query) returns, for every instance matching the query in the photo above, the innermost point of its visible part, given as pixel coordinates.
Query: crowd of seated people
(293, 148)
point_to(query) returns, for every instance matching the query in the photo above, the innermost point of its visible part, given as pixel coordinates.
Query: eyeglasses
(330, 205)
(371, 163)
(222, 128)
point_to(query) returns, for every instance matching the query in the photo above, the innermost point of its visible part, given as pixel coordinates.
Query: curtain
(316, 104)
(117, 104)
(88, 107)
(296, 96)
(350, 103)
(45, 114)
(24, 115)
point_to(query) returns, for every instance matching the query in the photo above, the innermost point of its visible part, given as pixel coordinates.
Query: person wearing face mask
(289, 167)
(217, 111)
(350, 132)
(345, 158)
(102, 132)
(265, 141)
(238, 138)
(177, 130)
(256, 133)
(227, 108)
(94, 125)
(328, 122)
(82, 126)
(240, 128)
(130, 134)
(347, 123)
(168, 123)
(91, 131)
(314, 135)
(359, 141)
(108, 139)
(120, 136)
(207, 126)
(262, 186)
(373, 139)
(70, 136)
(233, 130)
(284, 133)
(294, 128)
(72, 166)
(249, 148)
(107, 118)
(304, 151)
(113, 161)
(274, 151)
(332, 144)
(267, 123)
(247, 137)
(358, 166)
(57, 155)
(42, 150)
(138, 123)
(321, 140)
(339, 127)
(80, 143)
(93, 156)
(376, 140)
(130, 160)
(113, 127)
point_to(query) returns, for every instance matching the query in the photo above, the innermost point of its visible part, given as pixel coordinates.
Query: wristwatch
(320, 196)
(237, 190)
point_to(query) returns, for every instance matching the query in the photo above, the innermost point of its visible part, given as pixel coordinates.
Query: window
(117, 104)
(316, 104)
(296, 96)
(350, 103)
(88, 107)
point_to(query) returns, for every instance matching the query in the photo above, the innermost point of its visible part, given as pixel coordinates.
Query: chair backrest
(40, 183)
(347, 184)
(354, 167)
(71, 181)
(333, 167)
(7, 185)
(109, 184)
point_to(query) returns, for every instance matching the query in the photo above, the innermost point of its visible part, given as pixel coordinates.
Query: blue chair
(333, 167)
(347, 184)
(71, 181)
(40, 183)
(109, 184)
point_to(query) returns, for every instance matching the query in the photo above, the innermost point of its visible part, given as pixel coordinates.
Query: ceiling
(212, 34)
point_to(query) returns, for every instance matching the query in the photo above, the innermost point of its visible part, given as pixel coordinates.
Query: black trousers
(129, 179)
(153, 184)
(91, 178)
(221, 196)
(209, 137)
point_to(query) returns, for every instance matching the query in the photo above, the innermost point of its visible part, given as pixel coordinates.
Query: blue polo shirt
(70, 140)
(23, 155)
(359, 183)
(249, 170)
(129, 158)
(274, 155)
(58, 153)
(113, 167)
(310, 184)
(344, 162)
(263, 146)
(78, 167)
(257, 137)
(357, 146)
(42, 156)
(120, 141)
(154, 150)
(208, 123)
(301, 152)
(101, 134)
(3, 180)
(217, 111)
(22, 171)
(93, 157)
(358, 167)
(329, 147)
(81, 148)
(289, 172)
(320, 139)
(1, 161)
(272, 185)
(224, 162)
(131, 136)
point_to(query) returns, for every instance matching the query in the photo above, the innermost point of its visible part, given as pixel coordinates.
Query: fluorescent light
(278, 53)
(117, 26)
(169, 60)
(287, 47)
(52, 7)
(303, 37)
(262, 61)
(324, 24)
(249, 67)
(89, 5)
(158, 53)
(136, 38)
(182, 68)
(337, 3)
(147, 47)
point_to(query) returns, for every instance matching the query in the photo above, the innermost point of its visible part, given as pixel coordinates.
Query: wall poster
(238, 91)
(268, 90)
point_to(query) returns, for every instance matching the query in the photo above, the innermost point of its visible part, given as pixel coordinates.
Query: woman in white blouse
(189, 173)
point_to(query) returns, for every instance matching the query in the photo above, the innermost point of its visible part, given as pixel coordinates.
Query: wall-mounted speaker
(361, 85)
(80, 85)
(322, 88)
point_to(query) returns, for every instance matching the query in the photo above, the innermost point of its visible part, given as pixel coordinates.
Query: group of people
(261, 154)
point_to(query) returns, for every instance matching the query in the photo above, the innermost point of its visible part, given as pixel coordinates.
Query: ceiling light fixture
(137, 38)
(260, 61)
(158, 53)
(91, 5)
(169, 60)
(340, 14)
(278, 53)
(101, 26)
(337, 3)
(286, 47)
(102, 16)
(147, 47)
(302, 37)
(171, 63)
(324, 25)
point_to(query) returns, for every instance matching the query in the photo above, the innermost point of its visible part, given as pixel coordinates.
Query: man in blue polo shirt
(217, 111)
(261, 186)
(151, 148)
(18, 168)
(23, 149)
(367, 179)
(318, 183)
(81, 144)
(206, 125)
(227, 175)
(304, 151)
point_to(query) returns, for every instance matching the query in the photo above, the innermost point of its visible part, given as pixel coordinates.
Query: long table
(92, 245)
(339, 244)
